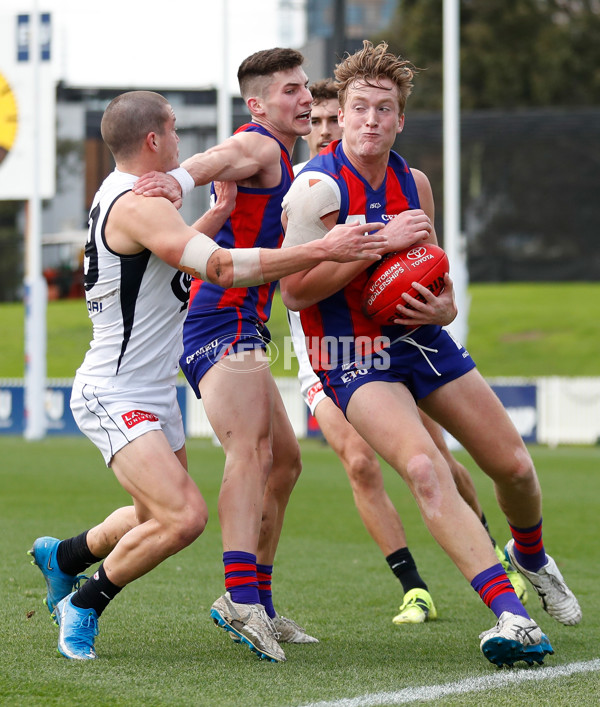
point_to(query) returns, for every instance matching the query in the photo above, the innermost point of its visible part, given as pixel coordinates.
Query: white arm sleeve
(304, 205)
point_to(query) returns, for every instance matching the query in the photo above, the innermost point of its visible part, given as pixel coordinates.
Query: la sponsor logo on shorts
(231, 349)
(313, 390)
(134, 417)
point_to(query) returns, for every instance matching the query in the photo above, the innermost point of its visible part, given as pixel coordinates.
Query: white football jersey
(137, 304)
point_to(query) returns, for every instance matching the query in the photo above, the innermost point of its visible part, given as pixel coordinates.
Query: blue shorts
(423, 360)
(210, 336)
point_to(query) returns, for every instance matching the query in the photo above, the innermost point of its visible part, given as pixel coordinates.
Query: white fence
(569, 410)
(564, 411)
(548, 411)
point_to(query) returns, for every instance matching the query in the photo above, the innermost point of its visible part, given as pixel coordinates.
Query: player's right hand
(356, 241)
(407, 228)
(159, 184)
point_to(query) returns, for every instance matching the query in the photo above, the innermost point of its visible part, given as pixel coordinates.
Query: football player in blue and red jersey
(377, 375)
(225, 336)
(360, 462)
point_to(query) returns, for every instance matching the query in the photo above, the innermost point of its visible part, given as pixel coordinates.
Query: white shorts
(111, 418)
(310, 385)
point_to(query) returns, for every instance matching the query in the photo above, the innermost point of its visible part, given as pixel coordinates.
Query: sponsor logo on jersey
(134, 417)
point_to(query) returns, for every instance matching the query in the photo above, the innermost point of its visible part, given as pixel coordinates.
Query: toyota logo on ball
(416, 253)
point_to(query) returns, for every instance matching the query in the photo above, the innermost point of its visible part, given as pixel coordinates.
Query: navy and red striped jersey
(255, 222)
(339, 318)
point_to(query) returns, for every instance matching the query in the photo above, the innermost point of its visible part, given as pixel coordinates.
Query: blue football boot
(77, 630)
(59, 584)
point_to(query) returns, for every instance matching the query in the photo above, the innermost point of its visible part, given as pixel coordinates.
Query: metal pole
(36, 291)
(452, 220)
(224, 95)
(339, 34)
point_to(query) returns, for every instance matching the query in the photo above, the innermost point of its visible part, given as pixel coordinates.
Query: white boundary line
(434, 692)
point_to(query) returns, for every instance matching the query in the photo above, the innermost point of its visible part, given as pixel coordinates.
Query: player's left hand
(159, 184)
(435, 310)
(226, 193)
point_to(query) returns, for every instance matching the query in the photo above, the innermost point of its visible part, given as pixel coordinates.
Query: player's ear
(152, 142)
(340, 117)
(254, 104)
(400, 127)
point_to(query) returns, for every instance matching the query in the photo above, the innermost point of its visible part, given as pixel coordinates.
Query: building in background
(337, 26)
(83, 161)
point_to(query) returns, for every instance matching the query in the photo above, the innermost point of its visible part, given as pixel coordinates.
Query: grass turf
(157, 645)
(516, 329)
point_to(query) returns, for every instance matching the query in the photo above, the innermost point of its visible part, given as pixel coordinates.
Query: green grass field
(157, 645)
(529, 329)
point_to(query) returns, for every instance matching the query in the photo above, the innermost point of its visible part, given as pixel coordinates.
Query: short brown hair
(370, 64)
(129, 118)
(323, 90)
(263, 64)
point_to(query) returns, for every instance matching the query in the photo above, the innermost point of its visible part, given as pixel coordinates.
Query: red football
(395, 274)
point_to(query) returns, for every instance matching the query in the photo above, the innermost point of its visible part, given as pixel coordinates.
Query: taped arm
(310, 211)
(311, 197)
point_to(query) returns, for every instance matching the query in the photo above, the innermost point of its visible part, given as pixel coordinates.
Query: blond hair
(371, 64)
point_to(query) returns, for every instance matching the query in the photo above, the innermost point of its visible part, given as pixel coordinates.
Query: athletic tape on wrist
(247, 270)
(196, 254)
(185, 179)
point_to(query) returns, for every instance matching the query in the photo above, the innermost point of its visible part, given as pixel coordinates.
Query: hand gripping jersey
(137, 304)
(254, 222)
(337, 331)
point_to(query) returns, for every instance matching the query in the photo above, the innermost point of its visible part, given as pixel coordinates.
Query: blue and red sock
(529, 547)
(240, 577)
(264, 574)
(496, 591)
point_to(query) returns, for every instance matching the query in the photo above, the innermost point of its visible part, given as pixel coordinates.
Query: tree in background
(514, 53)
(530, 137)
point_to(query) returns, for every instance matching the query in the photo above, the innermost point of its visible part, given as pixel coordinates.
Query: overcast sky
(166, 44)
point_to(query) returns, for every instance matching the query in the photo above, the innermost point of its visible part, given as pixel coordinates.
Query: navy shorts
(208, 337)
(423, 360)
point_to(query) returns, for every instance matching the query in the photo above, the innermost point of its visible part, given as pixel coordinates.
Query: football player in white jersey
(124, 395)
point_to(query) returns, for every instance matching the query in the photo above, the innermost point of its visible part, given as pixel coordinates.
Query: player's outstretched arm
(345, 243)
(238, 158)
(244, 267)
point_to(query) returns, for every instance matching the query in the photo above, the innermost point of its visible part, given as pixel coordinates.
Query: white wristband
(185, 179)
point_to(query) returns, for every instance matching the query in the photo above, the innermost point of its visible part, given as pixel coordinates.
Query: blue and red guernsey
(255, 222)
(341, 315)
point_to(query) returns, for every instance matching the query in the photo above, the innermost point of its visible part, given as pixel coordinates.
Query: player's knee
(423, 479)
(186, 532)
(363, 472)
(188, 524)
(521, 469)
